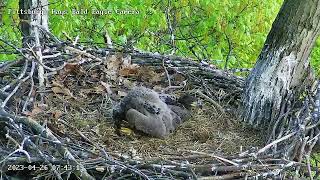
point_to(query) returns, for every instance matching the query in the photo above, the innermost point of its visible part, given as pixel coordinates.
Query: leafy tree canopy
(202, 29)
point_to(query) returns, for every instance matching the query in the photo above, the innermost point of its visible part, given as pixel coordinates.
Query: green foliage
(203, 29)
(9, 29)
(315, 57)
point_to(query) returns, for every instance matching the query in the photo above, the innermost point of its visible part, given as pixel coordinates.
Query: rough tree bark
(33, 14)
(283, 64)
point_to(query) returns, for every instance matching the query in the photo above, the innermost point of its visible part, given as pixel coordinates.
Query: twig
(19, 150)
(83, 53)
(39, 57)
(229, 52)
(13, 92)
(45, 132)
(262, 150)
(170, 28)
(21, 75)
(33, 65)
(215, 104)
(214, 156)
(167, 74)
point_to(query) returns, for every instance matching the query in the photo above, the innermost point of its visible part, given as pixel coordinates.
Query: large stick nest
(65, 129)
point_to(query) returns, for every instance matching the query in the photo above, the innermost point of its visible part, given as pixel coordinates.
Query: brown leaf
(147, 74)
(127, 68)
(71, 67)
(36, 110)
(113, 66)
(64, 91)
(114, 62)
(128, 71)
(57, 114)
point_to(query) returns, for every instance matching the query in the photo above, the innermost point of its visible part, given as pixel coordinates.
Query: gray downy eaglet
(145, 111)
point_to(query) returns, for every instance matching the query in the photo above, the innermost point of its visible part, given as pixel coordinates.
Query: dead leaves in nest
(101, 88)
(37, 109)
(117, 72)
(128, 68)
(119, 68)
(58, 88)
(117, 65)
(71, 68)
(146, 74)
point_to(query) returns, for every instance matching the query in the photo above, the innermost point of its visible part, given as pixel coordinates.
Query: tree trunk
(30, 23)
(283, 64)
(38, 16)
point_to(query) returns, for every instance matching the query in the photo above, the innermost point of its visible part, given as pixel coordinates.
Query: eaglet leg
(151, 125)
